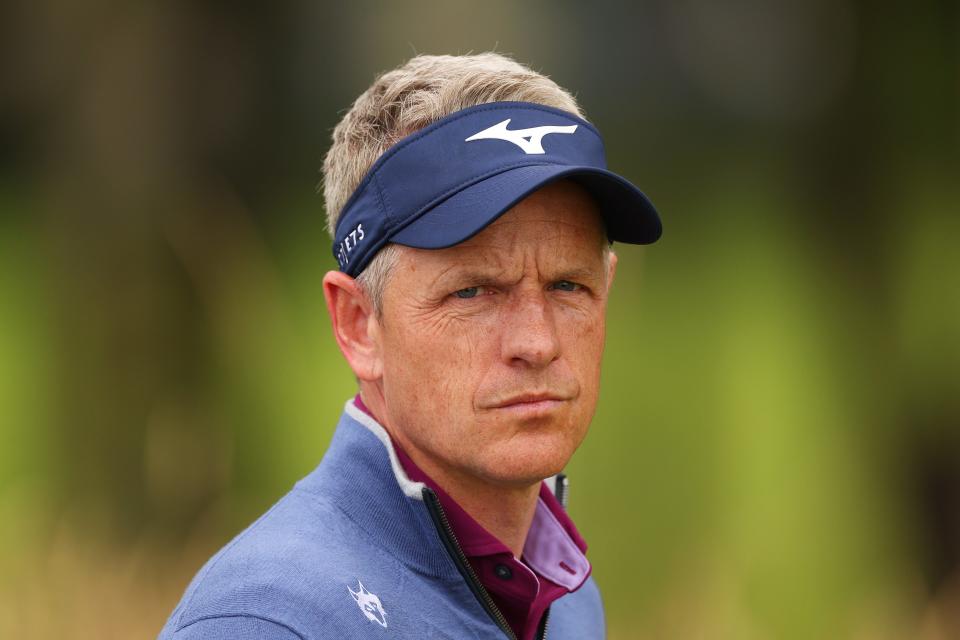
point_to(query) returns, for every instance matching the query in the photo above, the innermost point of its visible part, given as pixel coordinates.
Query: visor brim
(628, 214)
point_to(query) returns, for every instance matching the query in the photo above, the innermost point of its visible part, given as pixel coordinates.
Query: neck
(506, 511)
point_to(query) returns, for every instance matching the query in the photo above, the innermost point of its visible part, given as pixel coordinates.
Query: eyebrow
(495, 277)
(579, 273)
(473, 276)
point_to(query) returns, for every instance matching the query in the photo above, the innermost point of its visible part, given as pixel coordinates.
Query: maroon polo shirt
(552, 564)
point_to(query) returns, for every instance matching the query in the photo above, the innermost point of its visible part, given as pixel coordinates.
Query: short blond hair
(413, 96)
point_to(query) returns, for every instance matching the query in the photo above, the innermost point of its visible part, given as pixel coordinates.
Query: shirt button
(503, 572)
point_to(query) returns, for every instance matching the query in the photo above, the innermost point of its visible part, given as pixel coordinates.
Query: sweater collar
(361, 476)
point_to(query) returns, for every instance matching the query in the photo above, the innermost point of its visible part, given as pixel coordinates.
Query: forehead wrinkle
(546, 261)
(546, 247)
(503, 232)
(483, 261)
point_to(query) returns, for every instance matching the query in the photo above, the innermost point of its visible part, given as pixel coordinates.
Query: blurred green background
(776, 452)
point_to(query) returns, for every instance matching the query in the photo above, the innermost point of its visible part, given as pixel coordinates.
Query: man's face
(491, 349)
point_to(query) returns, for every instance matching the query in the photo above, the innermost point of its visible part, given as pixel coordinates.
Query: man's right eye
(469, 292)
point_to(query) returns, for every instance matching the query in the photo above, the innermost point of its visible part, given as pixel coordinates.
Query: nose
(529, 332)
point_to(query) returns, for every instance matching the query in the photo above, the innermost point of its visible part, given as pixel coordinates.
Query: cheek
(432, 367)
(585, 339)
(584, 335)
(585, 357)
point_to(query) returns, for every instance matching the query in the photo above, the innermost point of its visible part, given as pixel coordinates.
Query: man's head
(480, 351)
(408, 99)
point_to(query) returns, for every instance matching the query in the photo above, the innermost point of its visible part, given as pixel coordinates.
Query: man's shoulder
(282, 572)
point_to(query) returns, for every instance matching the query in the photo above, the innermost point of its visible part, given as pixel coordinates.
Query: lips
(529, 399)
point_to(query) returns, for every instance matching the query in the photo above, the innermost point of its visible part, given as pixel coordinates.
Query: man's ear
(611, 269)
(355, 325)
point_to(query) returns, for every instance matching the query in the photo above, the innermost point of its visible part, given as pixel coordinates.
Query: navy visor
(445, 183)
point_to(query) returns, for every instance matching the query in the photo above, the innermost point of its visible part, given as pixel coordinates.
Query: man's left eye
(565, 285)
(469, 292)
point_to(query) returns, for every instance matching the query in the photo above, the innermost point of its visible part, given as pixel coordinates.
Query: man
(472, 218)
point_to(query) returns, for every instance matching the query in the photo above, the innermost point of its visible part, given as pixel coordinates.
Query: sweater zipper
(543, 625)
(561, 489)
(453, 547)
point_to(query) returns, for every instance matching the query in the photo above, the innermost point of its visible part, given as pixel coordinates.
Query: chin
(526, 462)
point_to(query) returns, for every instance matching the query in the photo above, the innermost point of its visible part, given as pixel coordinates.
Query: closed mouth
(529, 400)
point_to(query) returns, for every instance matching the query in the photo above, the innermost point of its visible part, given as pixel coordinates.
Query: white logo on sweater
(369, 604)
(530, 140)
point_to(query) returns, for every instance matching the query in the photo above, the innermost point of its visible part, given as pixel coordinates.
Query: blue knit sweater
(352, 551)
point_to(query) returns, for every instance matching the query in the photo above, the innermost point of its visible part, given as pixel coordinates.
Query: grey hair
(407, 99)
(373, 279)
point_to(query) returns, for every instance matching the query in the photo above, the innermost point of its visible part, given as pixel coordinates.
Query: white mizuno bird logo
(530, 140)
